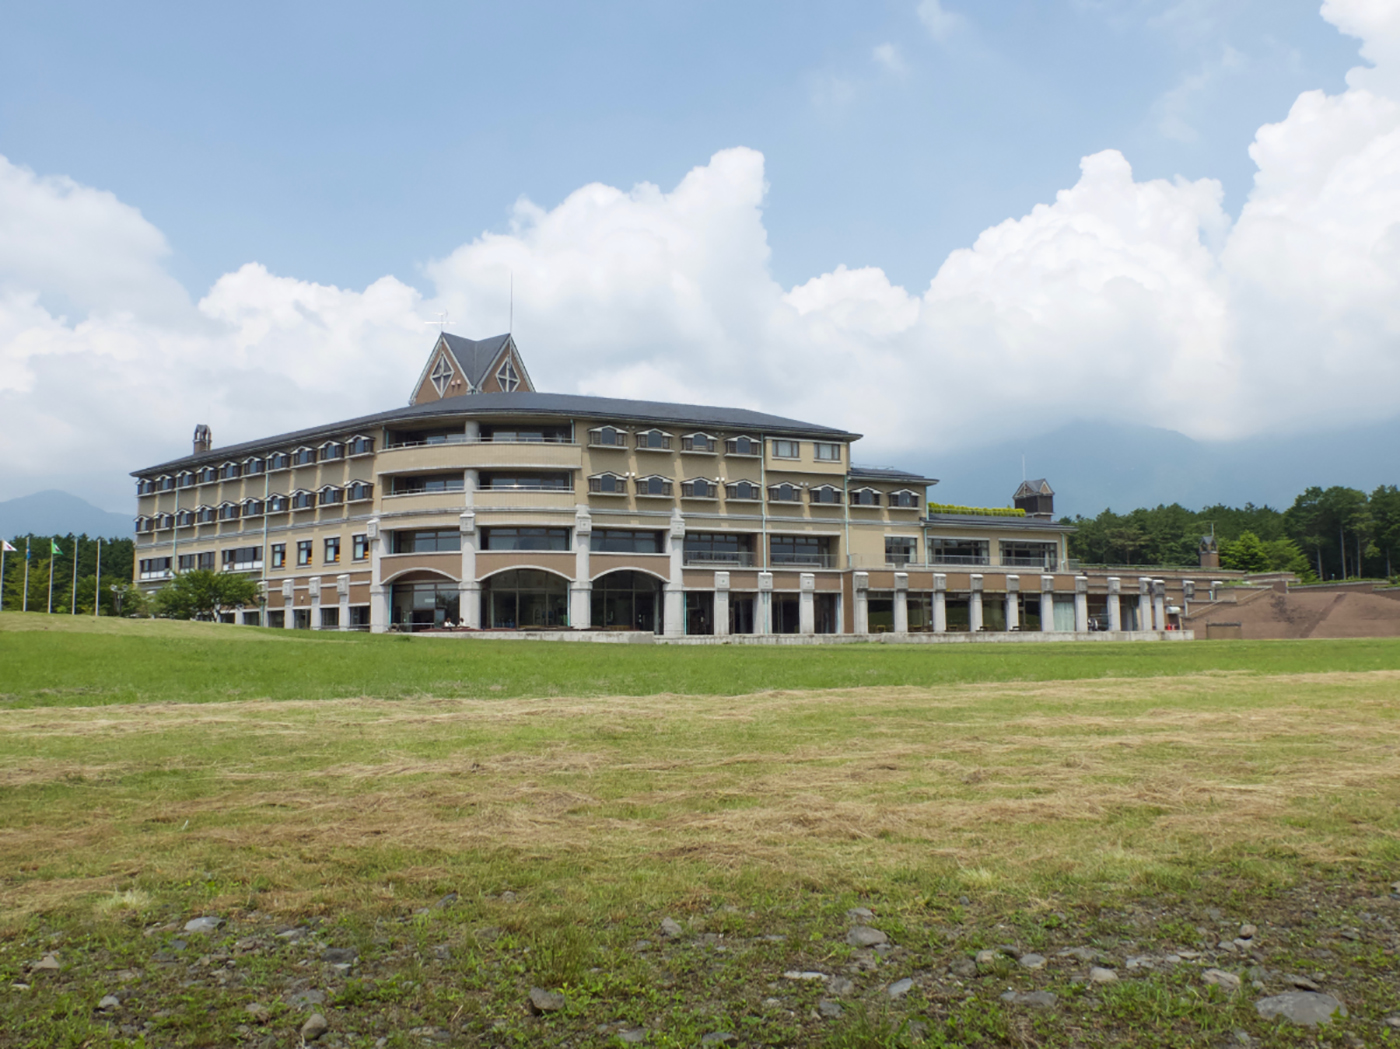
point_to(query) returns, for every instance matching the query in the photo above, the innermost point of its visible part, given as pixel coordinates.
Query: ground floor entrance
(629, 601)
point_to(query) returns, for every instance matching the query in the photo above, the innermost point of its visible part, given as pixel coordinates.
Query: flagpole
(76, 543)
(97, 590)
(3, 547)
(25, 603)
(51, 546)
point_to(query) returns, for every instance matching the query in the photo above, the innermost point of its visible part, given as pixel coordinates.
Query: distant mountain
(1093, 466)
(58, 513)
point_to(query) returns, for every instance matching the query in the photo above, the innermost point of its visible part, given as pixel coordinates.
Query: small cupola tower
(203, 438)
(1037, 498)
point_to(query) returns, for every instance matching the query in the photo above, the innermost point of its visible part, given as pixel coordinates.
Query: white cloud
(1174, 109)
(887, 56)
(1121, 299)
(940, 23)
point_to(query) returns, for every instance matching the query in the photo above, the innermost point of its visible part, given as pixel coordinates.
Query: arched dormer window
(303, 456)
(655, 485)
(785, 493)
(143, 524)
(277, 504)
(331, 496)
(279, 461)
(184, 518)
(230, 471)
(360, 491)
(745, 490)
(252, 507)
(607, 437)
(332, 450)
(699, 488)
(205, 515)
(506, 377)
(207, 475)
(607, 484)
(361, 445)
(905, 499)
(145, 486)
(228, 512)
(699, 442)
(743, 446)
(865, 497)
(184, 479)
(303, 500)
(653, 441)
(824, 494)
(254, 466)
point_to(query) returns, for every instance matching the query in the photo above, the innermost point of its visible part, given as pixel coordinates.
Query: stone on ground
(1219, 978)
(671, 928)
(1301, 1007)
(1030, 999)
(1032, 961)
(203, 925)
(865, 936)
(829, 1010)
(1098, 974)
(314, 1027)
(900, 988)
(542, 1001)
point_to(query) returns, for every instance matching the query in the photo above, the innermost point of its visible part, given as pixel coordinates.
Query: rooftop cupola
(203, 438)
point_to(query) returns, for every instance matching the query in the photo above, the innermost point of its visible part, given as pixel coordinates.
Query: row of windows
(255, 466)
(661, 441)
(301, 499)
(250, 558)
(700, 547)
(703, 488)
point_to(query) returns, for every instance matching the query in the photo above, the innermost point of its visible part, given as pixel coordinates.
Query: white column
(974, 604)
(1115, 610)
(378, 593)
(314, 586)
(1081, 603)
(1215, 587)
(1144, 617)
(861, 583)
(674, 593)
(1188, 592)
(471, 479)
(468, 589)
(289, 612)
(901, 602)
(940, 603)
(581, 589)
(1159, 604)
(763, 614)
(342, 590)
(721, 604)
(1013, 602)
(806, 603)
(1047, 603)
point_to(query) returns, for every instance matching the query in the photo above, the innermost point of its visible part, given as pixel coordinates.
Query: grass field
(474, 820)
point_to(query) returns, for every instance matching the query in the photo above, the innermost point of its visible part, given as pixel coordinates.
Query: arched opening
(524, 599)
(627, 601)
(423, 601)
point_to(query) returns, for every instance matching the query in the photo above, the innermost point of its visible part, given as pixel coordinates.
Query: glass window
(1023, 554)
(607, 436)
(362, 446)
(279, 461)
(331, 496)
(741, 446)
(304, 457)
(507, 378)
(609, 484)
(900, 550)
(525, 599)
(625, 541)
(801, 550)
(155, 567)
(825, 452)
(785, 493)
(699, 488)
(825, 494)
(332, 450)
(242, 559)
(627, 601)
(229, 512)
(360, 491)
(742, 490)
(785, 449)
(904, 498)
(527, 482)
(865, 497)
(277, 504)
(252, 508)
(332, 551)
(230, 471)
(527, 434)
(279, 555)
(525, 539)
(304, 552)
(653, 486)
(697, 442)
(359, 547)
(427, 542)
(252, 467)
(207, 475)
(720, 548)
(654, 440)
(303, 500)
(413, 484)
(957, 551)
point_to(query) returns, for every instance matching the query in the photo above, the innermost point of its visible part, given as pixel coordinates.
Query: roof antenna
(510, 325)
(441, 322)
(1023, 466)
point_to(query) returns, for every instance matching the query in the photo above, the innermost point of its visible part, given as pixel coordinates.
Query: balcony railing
(461, 438)
(958, 559)
(732, 558)
(803, 559)
(1047, 562)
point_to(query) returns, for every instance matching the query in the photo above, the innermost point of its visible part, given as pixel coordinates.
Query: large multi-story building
(484, 504)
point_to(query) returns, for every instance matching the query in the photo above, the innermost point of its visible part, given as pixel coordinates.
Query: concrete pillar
(807, 603)
(1081, 603)
(581, 589)
(342, 590)
(763, 614)
(289, 614)
(901, 602)
(1159, 604)
(721, 604)
(974, 604)
(674, 625)
(1144, 602)
(468, 589)
(1215, 586)
(1115, 609)
(1047, 603)
(378, 592)
(1188, 591)
(940, 603)
(471, 479)
(1013, 602)
(860, 581)
(313, 586)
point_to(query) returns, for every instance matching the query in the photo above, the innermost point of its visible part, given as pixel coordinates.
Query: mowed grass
(59, 660)
(572, 795)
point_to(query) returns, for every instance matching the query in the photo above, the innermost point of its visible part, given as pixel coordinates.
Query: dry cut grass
(1014, 788)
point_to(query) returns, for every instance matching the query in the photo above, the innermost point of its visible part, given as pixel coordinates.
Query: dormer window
(228, 512)
(441, 374)
(654, 441)
(332, 450)
(607, 484)
(165, 483)
(507, 378)
(331, 496)
(607, 437)
(360, 491)
(865, 497)
(277, 504)
(743, 490)
(164, 521)
(361, 445)
(655, 485)
(184, 479)
(206, 515)
(253, 467)
(279, 461)
(143, 524)
(904, 499)
(698, 442)
(230, 472)
(825, 494)
(207, 475)
(252, 507)
(303, 500)
(303, 456)
(699, 488)
(743, 446)
(785, 493)
(184, 518)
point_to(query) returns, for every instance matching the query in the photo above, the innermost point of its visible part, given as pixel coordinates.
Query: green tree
(202, 594)
(1245, 554)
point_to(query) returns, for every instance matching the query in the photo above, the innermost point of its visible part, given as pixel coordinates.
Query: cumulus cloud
(1120, 299)
(938, 20)
(888, 58)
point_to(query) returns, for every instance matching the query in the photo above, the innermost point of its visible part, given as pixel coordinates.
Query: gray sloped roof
(486, 406)
(889, 474)
(474, 356)
(1038, 486)
(1035, 524)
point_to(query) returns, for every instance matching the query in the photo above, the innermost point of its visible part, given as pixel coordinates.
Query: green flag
(53, 548)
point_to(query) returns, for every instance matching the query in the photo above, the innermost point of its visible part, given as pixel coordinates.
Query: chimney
(1209, 552)
(203, 439)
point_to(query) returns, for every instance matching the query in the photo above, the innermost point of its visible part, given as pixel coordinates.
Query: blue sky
(342, 142)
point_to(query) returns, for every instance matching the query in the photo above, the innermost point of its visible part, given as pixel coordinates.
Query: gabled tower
(1036, 497)
(459, 366)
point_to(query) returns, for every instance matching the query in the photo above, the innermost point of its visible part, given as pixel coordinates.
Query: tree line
(118, 557)
(1328, 533)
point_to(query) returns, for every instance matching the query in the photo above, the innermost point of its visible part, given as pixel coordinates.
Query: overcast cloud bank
(1126, 301)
